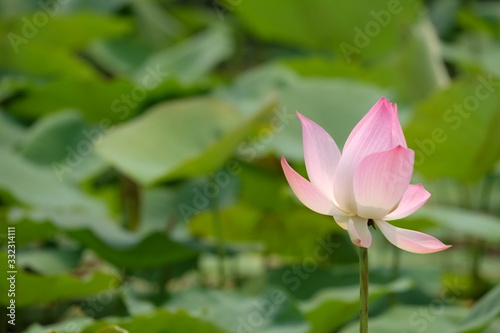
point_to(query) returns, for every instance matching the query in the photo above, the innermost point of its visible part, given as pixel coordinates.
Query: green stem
(363, 289)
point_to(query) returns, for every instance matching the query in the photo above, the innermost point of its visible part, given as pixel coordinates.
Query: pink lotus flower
(368, 184)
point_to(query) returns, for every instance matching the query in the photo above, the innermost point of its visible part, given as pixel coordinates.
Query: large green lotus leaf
(413, 72)
(65, 326)
(153, 250)
(328, 25)
(64, 141)
(473, 50)
(10, 130)
(48, 261)
(336, 105)
(40, 59)
(419, 69)
(494, 327)
(191, 59)
(45, 142)
(467, 222)
(256, 84)
(93, 6)
(38, 186)
(167, 206)
(270, 312)
(156, 23)
(178, 69)
(120, 56)
(28, 232)
(331, 308)
(100, 101)
(111, 242)
(159, 321)
(9, 8)
(483, 313)
(454, 132)
(178, 139)
(414, 319)
(33, 289)
(51, 50)
(72, 31)
(65, 219)
(187, 61)
(318, 66)
(56, 204)
(443, 15)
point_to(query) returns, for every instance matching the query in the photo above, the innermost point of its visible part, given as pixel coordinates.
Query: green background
(139, 163)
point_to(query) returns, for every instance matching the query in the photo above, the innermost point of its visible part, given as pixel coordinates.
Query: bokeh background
(139, 163)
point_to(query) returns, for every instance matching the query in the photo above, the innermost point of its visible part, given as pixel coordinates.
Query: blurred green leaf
(413, 320)
(53, 48)
(483, 313)
(48, 261)
(37, 186)
(493, 328)
(454, 131)
(120, 247)
(270, 312)
(467, 222)
(29, 231)
(149, 251)
(159, 321)
(111, 329)
(99, 101)
(443, 14)
(82, 217)
(46, 61)
(420, 69)
(329, 25)
(171, 206)
(74, 31)
(92, 6)
(10, 8)
(32, 289)
(171, 149)
(253, 86)
(156, 23)
(10, 131)
(65, 326)
(120, 56)
(474, 52)
(324, 67)
(45, 141)
(190, 60)
(64, 138)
